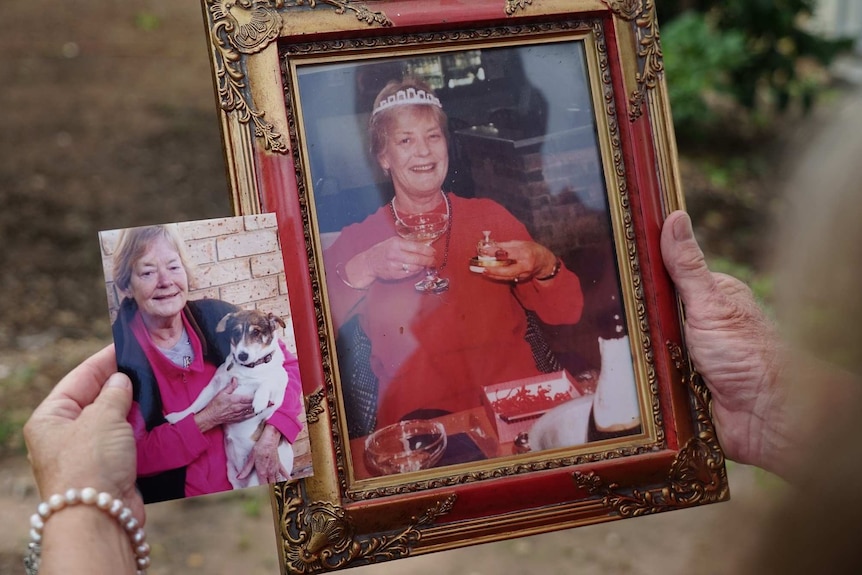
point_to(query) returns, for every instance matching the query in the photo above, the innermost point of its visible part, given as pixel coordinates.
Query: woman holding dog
(433, 351)
(170, 348)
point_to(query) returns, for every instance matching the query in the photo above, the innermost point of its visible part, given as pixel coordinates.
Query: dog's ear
(274, 319)
(222, 325)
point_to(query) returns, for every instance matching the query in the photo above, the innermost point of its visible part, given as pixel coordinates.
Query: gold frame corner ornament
(241, 28)
(320, 536)
(361, 11)
(513, 6)
(697, 476)
(314, 406)
(650, 59)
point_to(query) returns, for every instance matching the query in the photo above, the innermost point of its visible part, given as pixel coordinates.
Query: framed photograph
(469, 200)
(202, 326)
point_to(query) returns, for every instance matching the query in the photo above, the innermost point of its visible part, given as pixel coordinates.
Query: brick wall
(237, 260)
(552, 190)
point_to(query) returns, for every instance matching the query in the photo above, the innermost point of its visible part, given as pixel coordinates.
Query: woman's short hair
(379, 123)
(133, 243)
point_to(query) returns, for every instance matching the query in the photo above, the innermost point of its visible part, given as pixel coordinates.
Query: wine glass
(425, 228)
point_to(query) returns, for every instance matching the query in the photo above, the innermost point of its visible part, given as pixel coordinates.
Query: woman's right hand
(736, 349)
(225, 407)
(392, 259)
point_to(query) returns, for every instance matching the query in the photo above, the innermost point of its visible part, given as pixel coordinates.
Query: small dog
(257, 363)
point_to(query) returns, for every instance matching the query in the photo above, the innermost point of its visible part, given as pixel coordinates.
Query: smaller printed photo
(202, 325)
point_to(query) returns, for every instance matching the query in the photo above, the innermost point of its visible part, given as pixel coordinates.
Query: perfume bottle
(486, 249)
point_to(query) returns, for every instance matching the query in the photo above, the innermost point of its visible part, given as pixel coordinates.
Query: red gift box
(514, 406)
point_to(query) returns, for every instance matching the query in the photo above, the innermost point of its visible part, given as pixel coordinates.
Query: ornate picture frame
(271, 64)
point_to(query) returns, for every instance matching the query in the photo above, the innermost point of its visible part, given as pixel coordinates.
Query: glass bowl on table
(405, 446)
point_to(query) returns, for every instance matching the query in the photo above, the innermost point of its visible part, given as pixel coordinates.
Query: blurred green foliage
(758, 52)
(251, 506)
(698, 59)
(12, 416)
(147, 21)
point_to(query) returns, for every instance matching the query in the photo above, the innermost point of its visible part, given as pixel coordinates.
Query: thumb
(247, 468)
(116, 395)
(231, 387)
(683, 258)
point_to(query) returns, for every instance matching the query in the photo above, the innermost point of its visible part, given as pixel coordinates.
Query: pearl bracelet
(86, 496)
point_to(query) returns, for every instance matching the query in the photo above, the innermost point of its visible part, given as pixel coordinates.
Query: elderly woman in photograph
(432, 350)
(169, 348)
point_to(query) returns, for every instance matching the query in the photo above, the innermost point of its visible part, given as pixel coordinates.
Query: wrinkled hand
(392, 259)
(734, 346)
(264, 458)
(79, 437)
(225, 407)
(532, 260)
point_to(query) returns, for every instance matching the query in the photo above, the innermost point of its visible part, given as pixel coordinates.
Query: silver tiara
(408, 96)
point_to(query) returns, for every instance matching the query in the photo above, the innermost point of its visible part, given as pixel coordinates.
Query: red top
(182, 444)
(436, 351)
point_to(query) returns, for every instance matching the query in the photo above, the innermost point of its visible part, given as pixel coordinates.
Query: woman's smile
(416, 155)
(167, 296)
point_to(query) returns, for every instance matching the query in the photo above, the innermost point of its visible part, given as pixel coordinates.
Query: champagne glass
(425, 228)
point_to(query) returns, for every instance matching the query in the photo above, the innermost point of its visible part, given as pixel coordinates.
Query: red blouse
(436, 351)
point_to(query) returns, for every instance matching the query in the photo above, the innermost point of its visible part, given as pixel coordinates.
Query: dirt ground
(108, 120)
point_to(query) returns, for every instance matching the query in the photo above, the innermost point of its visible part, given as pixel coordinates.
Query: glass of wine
(425, 228)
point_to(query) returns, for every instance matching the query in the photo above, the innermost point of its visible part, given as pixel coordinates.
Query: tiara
(408, 96)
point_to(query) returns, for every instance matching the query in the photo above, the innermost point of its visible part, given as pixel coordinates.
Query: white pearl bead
(72, 496)
(103, 500)
(44, 510)
(35, 536)
(88, 495)
(115, 508)
(142, 550)
(56, 502)
(138, 537)
(143, 562)
(36, 522)
(124, 515)
(131, 525)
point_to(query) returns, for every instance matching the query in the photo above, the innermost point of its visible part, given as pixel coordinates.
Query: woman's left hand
(264, 458)
(532, 260)
(79, 437)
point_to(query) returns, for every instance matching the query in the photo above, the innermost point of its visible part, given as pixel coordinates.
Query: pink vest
(179, 387)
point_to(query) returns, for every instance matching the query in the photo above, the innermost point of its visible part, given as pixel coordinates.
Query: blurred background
(109, 121)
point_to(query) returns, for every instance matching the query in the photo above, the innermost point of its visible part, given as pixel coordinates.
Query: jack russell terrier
(256, 361)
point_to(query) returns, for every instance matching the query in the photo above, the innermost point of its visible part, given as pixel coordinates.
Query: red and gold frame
(336, 519)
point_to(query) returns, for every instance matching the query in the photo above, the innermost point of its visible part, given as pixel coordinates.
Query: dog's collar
(265, 359)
